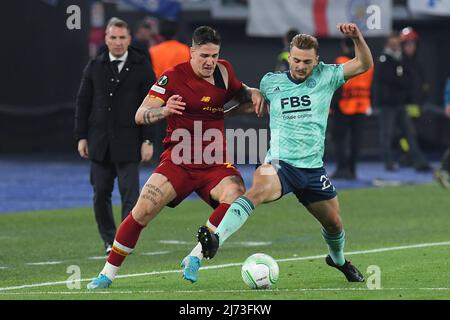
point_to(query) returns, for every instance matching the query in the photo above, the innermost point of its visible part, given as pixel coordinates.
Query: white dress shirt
(122, 58)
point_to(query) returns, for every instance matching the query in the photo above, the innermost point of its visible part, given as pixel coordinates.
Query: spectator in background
(142, 38)
(155, 38)
(351, 105)
(391, 96)
(443, 173)
(112, 89)
(418, 86)
(170, 51)
(282, 59)
(166, 55)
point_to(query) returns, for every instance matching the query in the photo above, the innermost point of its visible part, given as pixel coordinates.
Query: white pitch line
(243, 243)
(413, 246)
(254, 243)
(175, 242)
(43, 263)
(420, 245)
(98, 258)
(218, 291)
(155, 253)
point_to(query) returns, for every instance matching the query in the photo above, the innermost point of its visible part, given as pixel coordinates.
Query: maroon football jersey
(203, 111)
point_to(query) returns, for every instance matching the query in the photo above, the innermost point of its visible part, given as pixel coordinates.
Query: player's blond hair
(305, 41)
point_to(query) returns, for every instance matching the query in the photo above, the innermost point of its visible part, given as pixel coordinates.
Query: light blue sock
(335, 244)
(234, 218)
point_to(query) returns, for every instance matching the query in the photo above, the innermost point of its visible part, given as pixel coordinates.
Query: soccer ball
(260, 271)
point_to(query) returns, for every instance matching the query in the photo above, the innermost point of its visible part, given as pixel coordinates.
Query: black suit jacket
(391, 85)
(106, 105)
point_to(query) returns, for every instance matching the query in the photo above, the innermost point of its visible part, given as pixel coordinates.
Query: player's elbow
(369, 64)
(363, 68)
(138, 118)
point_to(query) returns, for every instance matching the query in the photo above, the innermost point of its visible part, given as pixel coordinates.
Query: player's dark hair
(290, 34)
(204, 35)
(116, 22)
(305, 41)
(168, 29)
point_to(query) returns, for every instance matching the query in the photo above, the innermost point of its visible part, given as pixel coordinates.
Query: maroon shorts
(202, 181)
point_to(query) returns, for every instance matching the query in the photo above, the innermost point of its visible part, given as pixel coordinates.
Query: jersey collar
(292, 79)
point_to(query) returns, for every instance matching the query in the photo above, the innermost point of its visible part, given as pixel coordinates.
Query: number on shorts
(229, 165)
(325, 182)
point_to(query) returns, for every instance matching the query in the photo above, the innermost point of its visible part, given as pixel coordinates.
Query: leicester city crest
(311, 83)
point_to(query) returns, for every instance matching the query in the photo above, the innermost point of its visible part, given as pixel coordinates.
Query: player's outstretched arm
(257, 101)
(152, 110)
(363, 60)
(249, 100)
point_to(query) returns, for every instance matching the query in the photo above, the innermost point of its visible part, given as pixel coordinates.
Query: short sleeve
(336, 72)
(162, 88)
(263, 88)
(234, 84)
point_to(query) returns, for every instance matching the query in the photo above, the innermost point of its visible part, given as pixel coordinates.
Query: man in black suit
(112, 89)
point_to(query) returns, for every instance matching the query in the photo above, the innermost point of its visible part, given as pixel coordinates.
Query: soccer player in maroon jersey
(191, 97)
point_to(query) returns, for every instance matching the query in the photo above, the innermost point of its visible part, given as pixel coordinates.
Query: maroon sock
(218, 214)
(125, 241)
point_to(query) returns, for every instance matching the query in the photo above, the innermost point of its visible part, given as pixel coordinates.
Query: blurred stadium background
(42, 62)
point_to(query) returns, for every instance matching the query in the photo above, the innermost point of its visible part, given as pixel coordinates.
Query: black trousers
(102, 179)
(391, 119)
(445, 161)
(347, 136)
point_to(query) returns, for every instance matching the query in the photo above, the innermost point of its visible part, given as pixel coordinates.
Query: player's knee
(231, 193)
(333, 224)
(257, 193)
(144, 212)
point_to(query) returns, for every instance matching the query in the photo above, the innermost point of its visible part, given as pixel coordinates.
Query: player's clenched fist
(349, 30)
(174, 105)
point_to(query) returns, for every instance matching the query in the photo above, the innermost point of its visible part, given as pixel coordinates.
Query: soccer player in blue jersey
(299, 101)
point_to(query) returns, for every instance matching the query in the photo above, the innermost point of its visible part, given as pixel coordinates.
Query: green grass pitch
(405, 231)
